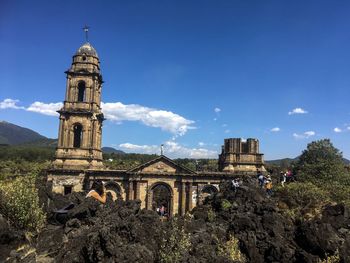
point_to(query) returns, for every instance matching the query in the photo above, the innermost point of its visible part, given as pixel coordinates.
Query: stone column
(137, 194)
(149, 199)
(183, 198)
(130, 190)
(189, 196)
(60, 133)
(67, 88)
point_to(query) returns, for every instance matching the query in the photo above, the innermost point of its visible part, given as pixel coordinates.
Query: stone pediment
(161, 165)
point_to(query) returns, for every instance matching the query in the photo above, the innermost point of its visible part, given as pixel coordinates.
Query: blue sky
(186, 73)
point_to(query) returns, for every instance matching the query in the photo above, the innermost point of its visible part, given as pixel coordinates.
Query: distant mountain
(12, 134)
(346, 161)
(284, 161)
(111, 150)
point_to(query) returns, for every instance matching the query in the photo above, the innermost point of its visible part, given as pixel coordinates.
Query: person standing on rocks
(284, 178)
(235, 184)
(260, 179)
(268, 186)
(98, 192)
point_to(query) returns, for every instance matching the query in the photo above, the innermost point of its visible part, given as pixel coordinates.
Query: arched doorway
(114, 189)
(160, 194)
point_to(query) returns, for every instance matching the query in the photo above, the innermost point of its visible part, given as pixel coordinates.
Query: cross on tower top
(86, 30)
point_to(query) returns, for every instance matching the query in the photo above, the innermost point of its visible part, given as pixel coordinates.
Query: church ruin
(241, 156)
(78, 159)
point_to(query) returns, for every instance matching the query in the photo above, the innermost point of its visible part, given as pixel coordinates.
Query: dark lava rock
(123, 232)
(9, 239)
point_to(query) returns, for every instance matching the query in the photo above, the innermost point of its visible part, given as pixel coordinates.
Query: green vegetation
(19, 203)
(322, 165)
(332, 259)
(26, 153)
(19, 169)
(175, 245)
(321, 178)
(225, 205)
(230, 249)
(210, 165)
(125, 161)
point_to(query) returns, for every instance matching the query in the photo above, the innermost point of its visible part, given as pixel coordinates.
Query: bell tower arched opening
(78, 135)
(81, 91)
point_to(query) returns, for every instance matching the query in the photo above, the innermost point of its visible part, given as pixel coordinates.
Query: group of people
(286, 177)
(265, 182)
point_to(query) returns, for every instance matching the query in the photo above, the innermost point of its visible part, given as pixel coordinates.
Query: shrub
(19, 203)
(178, 243)
(211, 215)
(230, 249)
(302, 198)
(225, 205)
(302, 194)
(331, 259)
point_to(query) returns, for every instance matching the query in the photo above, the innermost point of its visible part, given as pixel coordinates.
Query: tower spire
(86, 30)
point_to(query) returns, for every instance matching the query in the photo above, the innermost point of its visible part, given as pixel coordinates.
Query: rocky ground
(122, 232)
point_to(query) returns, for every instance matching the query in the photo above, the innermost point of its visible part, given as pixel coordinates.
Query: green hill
(12, 134)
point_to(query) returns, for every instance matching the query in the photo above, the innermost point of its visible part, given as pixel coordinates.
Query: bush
(178, 243)
(331, 259)
(211, 215)
(19, 203)
(302, 198)
(230, 249)
(225, 205)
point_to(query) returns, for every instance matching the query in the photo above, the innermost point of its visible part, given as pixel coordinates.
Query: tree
(320, 162)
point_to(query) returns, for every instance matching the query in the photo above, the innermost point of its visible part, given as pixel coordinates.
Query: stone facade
(239, 155)
(78, 159)
(80, 127)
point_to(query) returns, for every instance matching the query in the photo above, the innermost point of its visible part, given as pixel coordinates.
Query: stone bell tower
(80, 127)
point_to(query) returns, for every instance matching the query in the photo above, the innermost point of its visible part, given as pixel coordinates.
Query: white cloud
(297, 111)
(134, 148)
(305, 135)
(166, 120)
(201, 144)
(39, 107)
(224, 125)
(276, 129)
(171, 149)
(118, 112)
(348, 128)
(10, 104)
(309, 133)
(227, 131)
(45, 108)
(337, 130)
(217, 110)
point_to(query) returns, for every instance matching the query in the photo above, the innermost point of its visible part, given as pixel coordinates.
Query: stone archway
(159, 194)
(114, 189)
